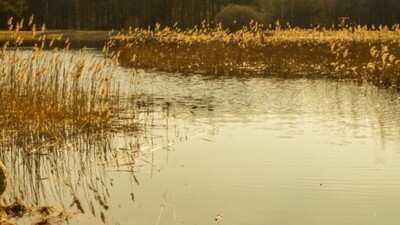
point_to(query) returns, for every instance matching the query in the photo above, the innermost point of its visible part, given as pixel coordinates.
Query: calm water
(257, 151)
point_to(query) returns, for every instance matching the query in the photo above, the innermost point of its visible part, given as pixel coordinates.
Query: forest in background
(117, 14)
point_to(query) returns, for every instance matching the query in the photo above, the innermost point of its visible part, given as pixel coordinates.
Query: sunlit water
(254, 151)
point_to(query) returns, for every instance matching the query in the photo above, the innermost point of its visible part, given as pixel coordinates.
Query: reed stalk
(267, 51)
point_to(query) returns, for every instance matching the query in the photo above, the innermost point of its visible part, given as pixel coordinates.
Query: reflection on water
(250, 151)
(285, 152)
(346, 108)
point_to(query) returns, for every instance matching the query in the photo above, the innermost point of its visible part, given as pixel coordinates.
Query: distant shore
(71, 34)
(78, 38)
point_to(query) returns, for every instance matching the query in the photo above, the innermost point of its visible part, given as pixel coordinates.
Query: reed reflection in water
(199, 141)
(77, 176)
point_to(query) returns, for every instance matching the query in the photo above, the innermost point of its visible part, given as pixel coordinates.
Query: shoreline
(77, 38)
(87, 35)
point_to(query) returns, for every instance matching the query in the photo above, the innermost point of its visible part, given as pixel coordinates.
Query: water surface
(255, 150)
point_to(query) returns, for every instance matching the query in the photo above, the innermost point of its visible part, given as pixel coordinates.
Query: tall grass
(49, 94)
(361, 53)
(60, 110)
(68, 119)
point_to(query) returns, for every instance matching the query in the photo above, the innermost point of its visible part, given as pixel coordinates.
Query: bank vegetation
(357, 53)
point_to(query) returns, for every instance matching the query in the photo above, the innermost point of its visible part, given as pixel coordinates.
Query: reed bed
(61, 112)
(359, 53)
(49, 94)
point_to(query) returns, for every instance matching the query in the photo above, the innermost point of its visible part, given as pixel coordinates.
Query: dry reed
(367, 55)
(61, 112)
(48, 96)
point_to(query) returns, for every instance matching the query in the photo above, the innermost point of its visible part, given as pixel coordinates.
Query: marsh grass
(48, 96)
(60, 112)
(67, 118)
(261, 51)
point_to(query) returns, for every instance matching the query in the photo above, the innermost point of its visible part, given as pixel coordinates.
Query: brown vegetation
(56, 102)
(48, 96)
(367, 55)
(40, 215)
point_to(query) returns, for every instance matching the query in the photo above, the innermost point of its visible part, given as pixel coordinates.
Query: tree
(6, 7)
(235, 17)
(115, 14)
(77, 8)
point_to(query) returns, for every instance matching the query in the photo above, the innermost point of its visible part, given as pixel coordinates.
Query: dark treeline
(108, 14)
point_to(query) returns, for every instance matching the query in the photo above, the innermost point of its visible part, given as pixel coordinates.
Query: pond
(230, 151)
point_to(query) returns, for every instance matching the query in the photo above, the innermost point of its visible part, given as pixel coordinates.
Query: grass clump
(61, 113)
(367, 55)
(50, 94)
(41, 215)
